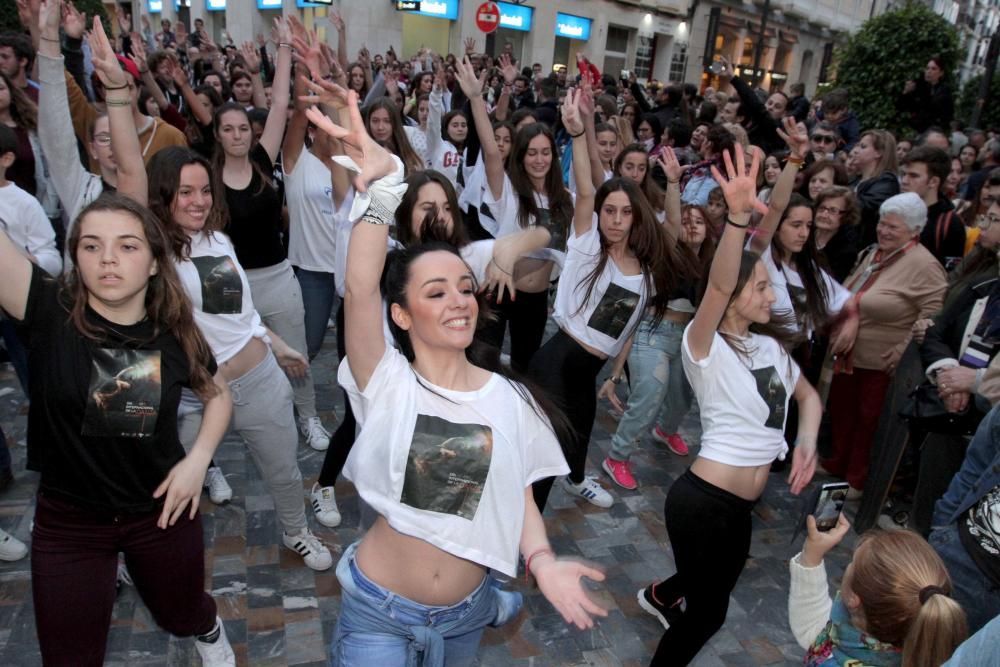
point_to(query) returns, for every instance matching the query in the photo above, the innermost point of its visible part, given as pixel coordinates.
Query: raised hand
(336, 21)
(27, 12)
(336, 71)
(559, 582)
(795, 135)
(508, 69)
(571, 119)
(251, 57)
(670, 165)
(261, 40)
(139, 52)
(295, 27)
(740, 187)
(74, 21)
(365, 57)
(283, 32)
(465, 73)
(586, 100)
(49, 14)
(818, 543)
(309, 53)
(373, 160)
(103, 56)
(470, 45)
(324, 92)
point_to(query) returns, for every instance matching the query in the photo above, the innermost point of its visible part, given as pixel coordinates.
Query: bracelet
(118, 103)
(500, 267)
(574, 136)
(377, 214)
(281, 44)
(673, 181)
(538, 552)
(144, 71)
(49, 39)
(614, 379)
(729, 221)
(116, 87)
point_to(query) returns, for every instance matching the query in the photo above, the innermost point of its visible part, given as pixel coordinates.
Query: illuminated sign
(441, 9)
(215, 5)
(573, 27)
(515, 17)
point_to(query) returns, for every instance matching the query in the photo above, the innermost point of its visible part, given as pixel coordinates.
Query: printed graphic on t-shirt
(983, 522)
(797, 295)
(772, 390)
(124, 396)
(557, 233)
(614, 311)
(221, 286)
(447, 466)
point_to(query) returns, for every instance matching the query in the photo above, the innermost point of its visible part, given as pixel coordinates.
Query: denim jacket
(980, 472)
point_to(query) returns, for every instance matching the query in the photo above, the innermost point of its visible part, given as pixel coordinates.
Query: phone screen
(829, 505)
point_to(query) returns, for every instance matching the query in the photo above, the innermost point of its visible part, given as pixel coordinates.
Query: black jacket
(927, 106)
(944, 339)
(761, 128)
(943, 242)
(871, 194)
(841, 253)
(798, 107)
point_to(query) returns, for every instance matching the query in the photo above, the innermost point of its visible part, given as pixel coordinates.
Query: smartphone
(829, 505)
(715, 67)
(625, 75)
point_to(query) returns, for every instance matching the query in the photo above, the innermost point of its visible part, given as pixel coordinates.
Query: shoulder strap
(941, 233)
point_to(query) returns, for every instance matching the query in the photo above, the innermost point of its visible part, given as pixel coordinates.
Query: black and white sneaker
(663, 613)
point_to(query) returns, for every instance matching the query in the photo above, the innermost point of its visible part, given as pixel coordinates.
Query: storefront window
(644, 56)
(616, 50)
(678, 63)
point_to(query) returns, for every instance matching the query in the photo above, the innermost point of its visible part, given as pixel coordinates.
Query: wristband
(614, 379)
(673, 181)
(539, 552)
(49, 39)
(494, 262)
(116, 87)
(729, 221)
(575, 136)
(117, 103)
(281, 44)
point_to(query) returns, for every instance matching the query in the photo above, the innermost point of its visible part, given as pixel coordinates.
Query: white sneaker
(317, 437)
(218, 488)
(11, 548)
(589, 489)
(218, 653)
(324, 505)
(307, 545)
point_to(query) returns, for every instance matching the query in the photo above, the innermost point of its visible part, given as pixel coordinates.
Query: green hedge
(990, 116)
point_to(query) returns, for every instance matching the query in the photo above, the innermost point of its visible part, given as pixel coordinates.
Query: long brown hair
(560, 202)
(885, 143)
(654, 193)
(398, 142)
(219, 156)
(891, 569)
(164, 171)
(780, 327)
(167, 305)
(666, 264)
(22, 109)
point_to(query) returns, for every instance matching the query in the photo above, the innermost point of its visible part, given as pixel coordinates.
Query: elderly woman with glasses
(896, 281)
(836, 222)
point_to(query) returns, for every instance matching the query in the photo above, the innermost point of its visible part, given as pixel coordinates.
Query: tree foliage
(877, 61)
(990, 116)
(10, 21)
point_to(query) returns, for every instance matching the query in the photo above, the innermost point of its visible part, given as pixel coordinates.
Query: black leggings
(343, 439)
(709, 531)
(567, 373)
(527, 315)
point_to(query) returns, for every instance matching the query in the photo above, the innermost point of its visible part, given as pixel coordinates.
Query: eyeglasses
(824, 139)
(831, 210)
(102, 139)
(985, 221)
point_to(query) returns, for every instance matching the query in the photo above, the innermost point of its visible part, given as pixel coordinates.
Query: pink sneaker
(621, 472)
(674, 441)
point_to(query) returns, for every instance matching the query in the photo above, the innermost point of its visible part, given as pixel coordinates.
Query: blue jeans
(378, 628)
(319, 291)
(660, 391)
(970, 587)
(976, 651)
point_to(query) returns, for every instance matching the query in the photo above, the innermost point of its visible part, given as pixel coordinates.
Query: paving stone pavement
(278, 612)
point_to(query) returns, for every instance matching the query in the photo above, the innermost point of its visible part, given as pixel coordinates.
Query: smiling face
(772, 169)
(754, 301)
(615, 218)
(793, 232)
(694, 227)
(234, 134)
(538, 157)
(892, 232)
(776, 105)
(114, 260)
(441, 308)
(698, 137)
(193, 201)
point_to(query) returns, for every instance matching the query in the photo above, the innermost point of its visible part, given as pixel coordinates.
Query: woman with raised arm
(448, 130)
(418, 581)
(256, 226)
(616, 267)
(112, 344)
(188, 203)
(742, 378)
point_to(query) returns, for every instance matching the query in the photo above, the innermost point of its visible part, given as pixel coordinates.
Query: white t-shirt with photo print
(505, 211)
(743, 399)
(606, 317)
(790, 293)
(449, 467)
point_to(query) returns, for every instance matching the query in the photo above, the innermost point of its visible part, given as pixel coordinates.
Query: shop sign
(441, 9)
(215, 5)
(515, 17)
(573, 27)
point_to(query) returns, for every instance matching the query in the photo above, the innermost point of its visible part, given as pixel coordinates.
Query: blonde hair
(885, 144)
(740, 135)
(892, 571)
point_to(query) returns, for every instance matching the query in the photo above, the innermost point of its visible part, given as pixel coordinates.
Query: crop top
(449, 467)
(615, 303)
(220, 295)
(505, 210)
(743, 406)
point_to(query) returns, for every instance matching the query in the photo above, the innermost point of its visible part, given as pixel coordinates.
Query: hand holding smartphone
(825, 504)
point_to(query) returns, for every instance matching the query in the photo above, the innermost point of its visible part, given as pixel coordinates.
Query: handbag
(926, 411)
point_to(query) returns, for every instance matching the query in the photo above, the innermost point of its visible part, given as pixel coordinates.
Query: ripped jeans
(376, 627)
(660, 391)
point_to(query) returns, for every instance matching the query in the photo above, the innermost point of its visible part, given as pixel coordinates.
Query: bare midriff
(532, 275)
(745, 482)
(245, 360)
(415, 569)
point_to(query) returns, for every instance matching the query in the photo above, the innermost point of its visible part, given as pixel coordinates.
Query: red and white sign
(488, 17)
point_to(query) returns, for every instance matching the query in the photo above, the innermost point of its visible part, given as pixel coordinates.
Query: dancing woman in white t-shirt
(615, 268)
(446, 454)
(742, 378)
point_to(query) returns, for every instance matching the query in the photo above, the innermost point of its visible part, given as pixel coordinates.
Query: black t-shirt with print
(255, 224)
(102, 428)
(979, 532)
